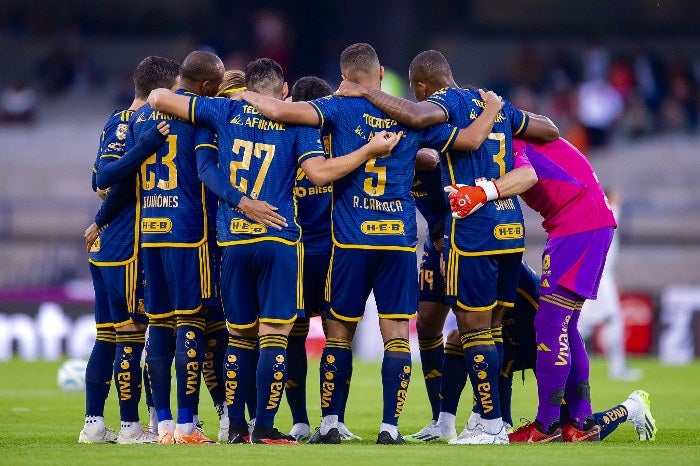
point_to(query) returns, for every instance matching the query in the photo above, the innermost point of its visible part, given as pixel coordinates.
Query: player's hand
(350, 89)
(102, 193)
(163, 128)
(382, 143)
(238, 95)
(465, 200)
(91, 233)
(262, 212)
(491, 98)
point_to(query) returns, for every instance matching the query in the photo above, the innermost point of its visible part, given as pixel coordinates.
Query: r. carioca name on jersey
(374, 204)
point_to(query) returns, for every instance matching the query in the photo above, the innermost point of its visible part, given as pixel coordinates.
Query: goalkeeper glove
(465, 200)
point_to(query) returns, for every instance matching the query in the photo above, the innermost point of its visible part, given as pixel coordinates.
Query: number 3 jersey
(173, 200)
(260, 157)
(498, 226)
(373, 207)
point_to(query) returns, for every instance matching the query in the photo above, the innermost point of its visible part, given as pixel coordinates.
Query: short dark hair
(200, 66)
(154, 72)
(310, 88)
(359, 60)
(430, 67)
(265, 76)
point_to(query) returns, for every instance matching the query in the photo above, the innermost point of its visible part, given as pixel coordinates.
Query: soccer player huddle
(231, 216)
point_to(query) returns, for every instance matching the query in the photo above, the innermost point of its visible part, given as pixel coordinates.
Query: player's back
(118, 242)
(373, 205)
(260, 157)
(173, 201)
(430, 197)
(498, 226)
(567, 194)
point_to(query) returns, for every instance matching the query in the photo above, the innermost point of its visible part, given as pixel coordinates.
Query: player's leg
(472, 284)
(159, 348)
(98, 372)
(347, 290)
(187, 278)
(216, 340)
(454, 379)
(636, 409)
(279, 271)
(396, 293)
(582, 279)
(130, 325)
(239, 298)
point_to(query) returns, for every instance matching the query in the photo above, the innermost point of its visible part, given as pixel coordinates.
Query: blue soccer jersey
(373, 207)
(260, 157)
(430, 198)
(173, 204)
(314, 210)
(498, 226)
(117, 244)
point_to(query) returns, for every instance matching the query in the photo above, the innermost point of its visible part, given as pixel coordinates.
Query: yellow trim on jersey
(505, 303)
(300, 276)
(233, 89)
(396, 316)
(94, 170)
(450, 139)
(278, 321)
(212, 146)
(257, 240)
(160, 316)
(320, 114)
(522, 124)
(137, 237)
(444, 109)
(242, 326)
(527, 297)
(191, 109)
(131, 280)
(188, 311)
(343, 318)
(464, 307)
(299, 159)
(105, 156)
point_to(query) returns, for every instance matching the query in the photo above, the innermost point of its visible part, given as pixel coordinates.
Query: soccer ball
(71, 375)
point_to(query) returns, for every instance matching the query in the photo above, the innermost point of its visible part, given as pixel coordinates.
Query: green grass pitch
(40, 425)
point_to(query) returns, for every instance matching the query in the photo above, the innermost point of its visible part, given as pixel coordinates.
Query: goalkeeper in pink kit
(580, 225)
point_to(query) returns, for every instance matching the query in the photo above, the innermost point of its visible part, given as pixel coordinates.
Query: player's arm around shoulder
(540, 129)
(299, 113)
(165, 100)
(416, 115)
(321, 170)
(471, 137)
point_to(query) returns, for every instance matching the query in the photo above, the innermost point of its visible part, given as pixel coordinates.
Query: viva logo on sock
(328, 386)
(563, 355)
(231, 383)
(405, 377)
(278, 384)
(483, 388)
(124, 376)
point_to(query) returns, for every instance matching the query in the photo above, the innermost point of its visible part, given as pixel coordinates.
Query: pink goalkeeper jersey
(567, 194)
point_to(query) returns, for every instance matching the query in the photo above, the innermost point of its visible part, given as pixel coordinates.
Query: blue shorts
(215, 310)
(176, 280)
(353, 273)
(479, 283)
(315, 273)
(262, 281)
(431, 282)
(118, 294)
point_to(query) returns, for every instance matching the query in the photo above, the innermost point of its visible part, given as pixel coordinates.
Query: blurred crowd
(600, 93)
(593, 93)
